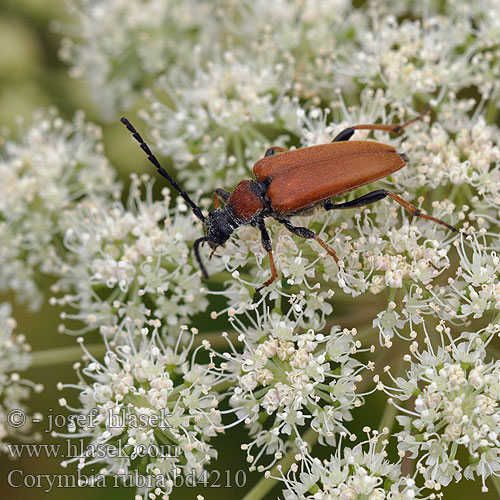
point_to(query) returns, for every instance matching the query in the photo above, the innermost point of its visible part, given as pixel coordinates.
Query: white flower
(388, 322)
(305, 36)
(14, 390)
(473, 291)
(138, 257)
(44, 173)
(213, 117)
(360, 472)
(121, 46)
(408, 58)
(466, 157)
(456, 395)
(292, 379)
(155, 404)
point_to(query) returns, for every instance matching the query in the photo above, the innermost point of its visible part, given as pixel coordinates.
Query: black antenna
(197, 253)
(152, 158)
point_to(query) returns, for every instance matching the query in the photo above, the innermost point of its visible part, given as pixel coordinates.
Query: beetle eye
(270, 152)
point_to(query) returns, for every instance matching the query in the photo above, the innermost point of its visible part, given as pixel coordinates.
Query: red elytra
(304, 177)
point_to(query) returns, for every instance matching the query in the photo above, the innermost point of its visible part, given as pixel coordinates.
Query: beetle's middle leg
(347, 133)
(305, 232)
(378, 195)
(266, 243)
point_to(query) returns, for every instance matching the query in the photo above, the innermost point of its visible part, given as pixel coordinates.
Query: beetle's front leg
(305, 232)
(220, 194)
(266, 243)
(347, 133)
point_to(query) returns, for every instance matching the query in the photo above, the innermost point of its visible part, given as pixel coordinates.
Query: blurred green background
(31, 76)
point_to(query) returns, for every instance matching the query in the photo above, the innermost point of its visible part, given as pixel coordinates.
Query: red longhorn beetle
(292, 182)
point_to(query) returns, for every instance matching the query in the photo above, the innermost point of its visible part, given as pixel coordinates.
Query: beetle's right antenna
(152, 158)
(197, 253)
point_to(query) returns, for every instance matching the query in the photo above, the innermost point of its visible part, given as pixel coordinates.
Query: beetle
(289, 183)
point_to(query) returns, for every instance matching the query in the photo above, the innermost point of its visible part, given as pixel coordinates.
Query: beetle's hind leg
(358, 202)
(380, 194)
(305, 232)
(347, 133)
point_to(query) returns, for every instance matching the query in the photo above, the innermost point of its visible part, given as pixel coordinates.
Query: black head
(220, 225)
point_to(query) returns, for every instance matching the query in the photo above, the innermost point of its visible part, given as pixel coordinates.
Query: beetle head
(220, 225)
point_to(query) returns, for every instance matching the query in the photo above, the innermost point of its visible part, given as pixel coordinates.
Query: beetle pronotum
(289, 183)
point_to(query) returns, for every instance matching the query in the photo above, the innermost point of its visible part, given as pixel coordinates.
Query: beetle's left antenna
(152, 158)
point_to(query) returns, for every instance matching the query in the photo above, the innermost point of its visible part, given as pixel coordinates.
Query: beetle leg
(272, 151)
(266, 243)
(220, 194)
(417, 213)
(304, 232)
(347, 133)
(358, 202)
(378, 195)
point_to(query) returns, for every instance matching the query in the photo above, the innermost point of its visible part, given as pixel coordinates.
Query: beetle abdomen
(304, 177)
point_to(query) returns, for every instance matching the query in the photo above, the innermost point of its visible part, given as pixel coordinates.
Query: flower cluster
(360, 472)
(44, 174)
(471, 293)
(465, 155)
(214, 117)
(455, 407)
(149, 409)
(286, 380)
(411, 58)
(15, 423)
(122, 46)
(130, 264)
(305, 36)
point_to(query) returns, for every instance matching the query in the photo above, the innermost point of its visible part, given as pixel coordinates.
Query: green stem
(496, 483)
(492, 112)
(61, 355)
(265, 485)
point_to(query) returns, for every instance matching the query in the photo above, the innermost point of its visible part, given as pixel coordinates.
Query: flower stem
(265, 485)
(496, 483)
(62, 355)
(492, 112)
